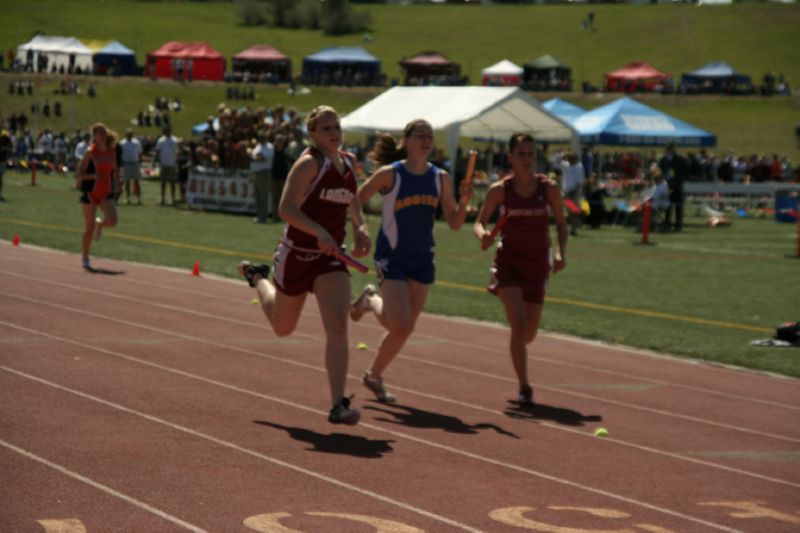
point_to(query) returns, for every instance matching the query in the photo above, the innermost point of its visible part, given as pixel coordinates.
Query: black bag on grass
(789, 332)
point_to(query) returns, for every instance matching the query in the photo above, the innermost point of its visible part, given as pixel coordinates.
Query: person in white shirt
(167, 161)
(261, 167)
(660, 198)
(131, 166)
(81, 147)
(572, 178)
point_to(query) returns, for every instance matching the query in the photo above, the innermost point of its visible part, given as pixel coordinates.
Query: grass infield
(704, 293)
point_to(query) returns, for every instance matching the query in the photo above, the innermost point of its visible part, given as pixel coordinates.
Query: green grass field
(704, 293)
(754, 37)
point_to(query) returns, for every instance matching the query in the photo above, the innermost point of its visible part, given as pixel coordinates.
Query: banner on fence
(220, 190)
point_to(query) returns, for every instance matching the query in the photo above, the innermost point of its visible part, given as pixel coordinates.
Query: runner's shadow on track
(93, 270)
(412, 417)
(560, 415)
(338, 443)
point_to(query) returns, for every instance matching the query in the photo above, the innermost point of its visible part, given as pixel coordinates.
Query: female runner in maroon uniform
(524, 256)
(319, 194)
(98, 187)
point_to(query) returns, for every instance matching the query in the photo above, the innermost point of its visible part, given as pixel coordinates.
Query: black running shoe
(341, 413)
(525, 398)
(249, 270)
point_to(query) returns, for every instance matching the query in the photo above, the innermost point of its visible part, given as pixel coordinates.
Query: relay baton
(496, 229)
(352, 262)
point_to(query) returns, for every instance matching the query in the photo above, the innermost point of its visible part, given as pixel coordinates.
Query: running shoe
(361, 304)
(85, 263)
(249, 270)
(525, 398)
(376, 386)
(342, 413)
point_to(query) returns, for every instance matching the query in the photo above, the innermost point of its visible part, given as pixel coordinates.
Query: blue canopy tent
(716, 77)
(627, 122)
(116, 57)
(341, 66)
(563, 109)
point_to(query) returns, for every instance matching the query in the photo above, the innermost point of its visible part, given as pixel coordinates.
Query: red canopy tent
(263, 59)
(181, 60)
(430, 68)
(636, 77)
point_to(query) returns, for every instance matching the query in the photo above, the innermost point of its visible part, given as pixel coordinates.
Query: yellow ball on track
(362, 346)
(601, 432)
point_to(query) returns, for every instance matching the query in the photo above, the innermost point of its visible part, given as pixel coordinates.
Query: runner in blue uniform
(412, 189)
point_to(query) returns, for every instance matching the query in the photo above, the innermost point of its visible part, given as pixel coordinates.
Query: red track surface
(157, 401)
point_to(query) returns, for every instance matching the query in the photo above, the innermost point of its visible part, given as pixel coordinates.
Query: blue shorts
(419, 268)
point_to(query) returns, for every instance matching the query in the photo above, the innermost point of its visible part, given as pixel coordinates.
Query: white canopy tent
(485, 112)
(503, 73)
(58, 51)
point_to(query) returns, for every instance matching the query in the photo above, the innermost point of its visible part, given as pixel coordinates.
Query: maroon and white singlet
(524, 255)
(297, 259)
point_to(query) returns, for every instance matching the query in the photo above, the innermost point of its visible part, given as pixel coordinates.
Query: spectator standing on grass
(6, 147)
(280, 170)
(184, 166)
(573, 178)
(319, 196)
(261, 168)
(412, 189)
(525, 256)
(131, 166)
(661, 203)
(675, 169)
(167, 161)
(81, 146)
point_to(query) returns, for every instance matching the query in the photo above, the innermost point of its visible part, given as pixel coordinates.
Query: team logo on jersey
(416, 199)
(337, 196)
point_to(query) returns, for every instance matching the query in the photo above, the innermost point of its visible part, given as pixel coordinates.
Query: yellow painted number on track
(66, 525)
(270, 523)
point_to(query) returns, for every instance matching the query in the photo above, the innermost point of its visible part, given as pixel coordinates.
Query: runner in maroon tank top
(524, 257)
(319, 195)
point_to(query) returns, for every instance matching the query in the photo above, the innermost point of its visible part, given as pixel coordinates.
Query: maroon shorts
(295, 271)
(530, 276)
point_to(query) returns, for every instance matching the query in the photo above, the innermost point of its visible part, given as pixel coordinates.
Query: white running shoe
(361, 304)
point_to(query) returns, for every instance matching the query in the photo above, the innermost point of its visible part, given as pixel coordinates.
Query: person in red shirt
(525, 256)
(319, 195)
(98, 181)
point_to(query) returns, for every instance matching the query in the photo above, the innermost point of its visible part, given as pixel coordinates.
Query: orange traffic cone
(196, 269)
(15, 240)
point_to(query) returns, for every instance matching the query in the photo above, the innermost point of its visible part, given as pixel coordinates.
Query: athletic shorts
(419, 268)
(531, 277)
(168, 174)
(88, 198)
(294, 271)
(131, 171)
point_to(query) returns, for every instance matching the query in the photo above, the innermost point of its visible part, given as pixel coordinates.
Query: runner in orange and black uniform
(319, 195)
(98, 180)
(524, 256)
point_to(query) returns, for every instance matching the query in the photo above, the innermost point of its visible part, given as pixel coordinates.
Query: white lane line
(236, 447)
(99, 486)
(482, 374)
(684, 458)
(490, 349)
(402, 435)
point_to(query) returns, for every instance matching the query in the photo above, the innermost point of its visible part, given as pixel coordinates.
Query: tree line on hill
(333, 17)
